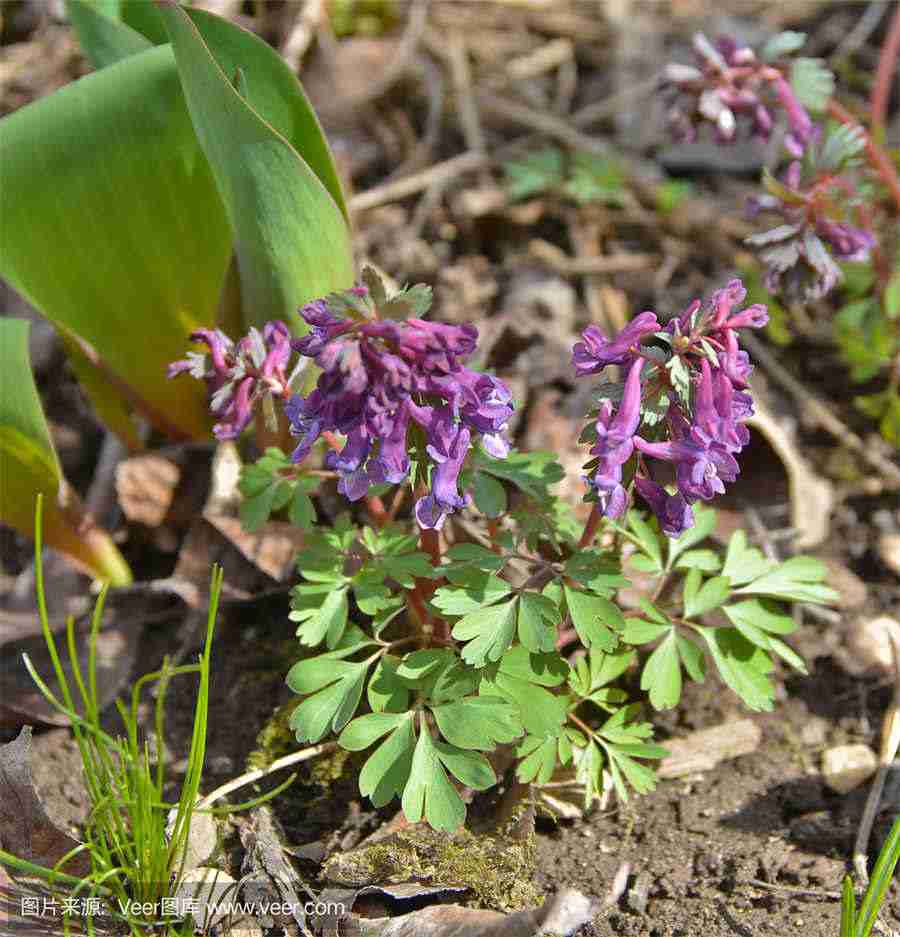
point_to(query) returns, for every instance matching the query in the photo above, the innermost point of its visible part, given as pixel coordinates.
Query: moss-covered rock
(498, 869)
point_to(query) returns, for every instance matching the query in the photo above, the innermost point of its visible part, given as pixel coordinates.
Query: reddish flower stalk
(880, 161)
(887, 69)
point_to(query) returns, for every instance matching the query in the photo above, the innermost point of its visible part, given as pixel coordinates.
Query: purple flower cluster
(383, 380)
(730, 84)
(239, 375)
(815, 212)
(701, 427)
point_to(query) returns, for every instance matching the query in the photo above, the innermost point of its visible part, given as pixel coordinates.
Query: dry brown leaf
(562, 915)
(812, 497)
(145, 485)
(25, 829)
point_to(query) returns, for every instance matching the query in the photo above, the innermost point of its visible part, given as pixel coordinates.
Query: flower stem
(590, 528)
(880, 161)
(884, 76)
(377, 511)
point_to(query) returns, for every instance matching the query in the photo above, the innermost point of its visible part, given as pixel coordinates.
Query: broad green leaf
(542, 712)
(531, 472)
(645, 536)
(692, 658)
(699, 599)
(385, 690)
(798, 579)
(308, 676)
(598, 572)
(781, 44)
(743, 562)
(761, 613)
(291, 238)
(331, 708)
(538, 759)
(662, 674)
(385, 773)
(103, 39)
(704, 523)
(327, 620)
(541, 669)
(364, 730)
(742, 666)
(119, 229)
(593, 617)
(589, 771)
(640, 777)
(708, 561)
(29, 467)
(538, 618)
(472, 768)
(489, 495)
(638, 631)
(478, 722)
(534, 173)
(488, 631)
(428, 792)
(604, 668)
(477, 591)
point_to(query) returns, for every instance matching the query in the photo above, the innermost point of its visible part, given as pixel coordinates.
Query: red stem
(887, 64)
(377, 511)
(880, 161)
(590, 528)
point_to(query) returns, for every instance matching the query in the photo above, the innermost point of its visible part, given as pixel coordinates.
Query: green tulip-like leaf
(29, 467)
(126, 250)
(104, 40)
(290, 235)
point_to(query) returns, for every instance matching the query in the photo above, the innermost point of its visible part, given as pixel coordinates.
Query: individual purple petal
(238, 413)
(847, 242)
(713, 411)
(496, 445)
(595, 351)
(448, 446)
(429, 514)
(674, 514)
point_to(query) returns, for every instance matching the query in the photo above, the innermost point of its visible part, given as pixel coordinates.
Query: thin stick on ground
(890, 742)
(305, 754)
(819, 411)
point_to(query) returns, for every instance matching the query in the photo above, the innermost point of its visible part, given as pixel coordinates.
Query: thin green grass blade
(880, 882)
(848, 909)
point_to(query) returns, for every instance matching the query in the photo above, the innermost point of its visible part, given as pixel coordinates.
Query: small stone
(852, 591)
(889, 551)
(870, 642)
(845, 767)
(638, 894)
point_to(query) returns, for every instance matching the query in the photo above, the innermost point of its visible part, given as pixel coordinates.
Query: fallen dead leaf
(26, 830)
(812, 497)
(703, 750)
(145, 485)
(561, 915)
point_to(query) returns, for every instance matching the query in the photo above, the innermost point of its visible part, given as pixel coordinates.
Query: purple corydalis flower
(697, 420)
(380, 378)
(673, 512)
(595, 351)
(615, 444)
(238, 376)
(800, 255)
(730, 83)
